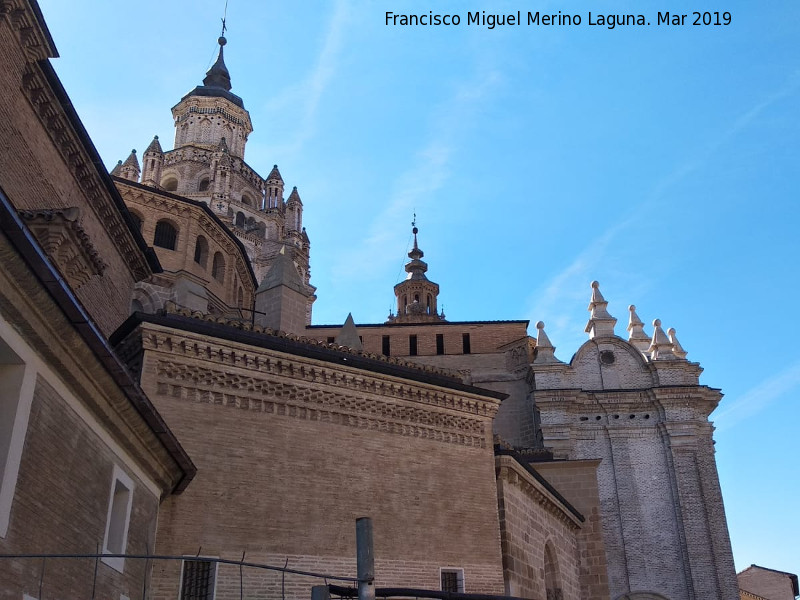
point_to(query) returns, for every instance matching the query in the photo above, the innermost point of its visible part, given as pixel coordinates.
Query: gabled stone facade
(645, 416)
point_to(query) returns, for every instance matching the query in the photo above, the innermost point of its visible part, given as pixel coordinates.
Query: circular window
(607, 357)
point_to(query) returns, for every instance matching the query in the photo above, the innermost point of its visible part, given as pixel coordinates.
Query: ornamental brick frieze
(296, 368)
(286, 397)
(66, 243)
(508, 474)
(47, 108)
(22, 22)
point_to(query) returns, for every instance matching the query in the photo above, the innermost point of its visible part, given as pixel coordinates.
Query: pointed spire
(130, 168)
(294, 197)
(348, 335)
(275, 174)
(132, 161)
(545, 351)
(636, 335)
(601, 323)
(154, 147)
(677, 349)
(660, 347)
(415, 267)
(218, 75)
(117, 170)
(282, 272)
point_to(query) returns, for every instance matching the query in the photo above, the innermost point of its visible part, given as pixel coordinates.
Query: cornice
(510, 472)
(195, 368)
(45, 102)
(27, 23)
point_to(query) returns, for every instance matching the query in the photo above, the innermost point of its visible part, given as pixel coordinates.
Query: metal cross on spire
(224, 16)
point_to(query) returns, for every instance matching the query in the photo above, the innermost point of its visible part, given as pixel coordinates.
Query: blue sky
(661, 161)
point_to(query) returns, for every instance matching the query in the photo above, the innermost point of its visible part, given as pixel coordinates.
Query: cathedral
(172, 415)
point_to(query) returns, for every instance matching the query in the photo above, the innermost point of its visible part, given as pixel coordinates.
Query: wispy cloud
(427, 173)
(772, 389)
(554, 300)
(310, 92)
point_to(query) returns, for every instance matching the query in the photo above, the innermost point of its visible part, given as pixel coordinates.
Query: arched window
(218, 267)
(170, 184)
(165, 236)
(239, 219)
(204, 182)
(552, 582)
(205, 131)
(201, 251)
(246, 199)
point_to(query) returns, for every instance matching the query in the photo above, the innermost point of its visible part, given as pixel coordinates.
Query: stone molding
(66, 243)
(510, 472)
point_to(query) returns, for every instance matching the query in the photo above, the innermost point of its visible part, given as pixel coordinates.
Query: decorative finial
(545, 351)
(660, 347)
(677, 349)
(601, 323)
(636, 335)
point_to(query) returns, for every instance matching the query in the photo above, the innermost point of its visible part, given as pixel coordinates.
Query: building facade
(165, 313)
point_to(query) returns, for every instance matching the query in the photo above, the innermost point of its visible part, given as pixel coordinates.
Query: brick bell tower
(417, 296)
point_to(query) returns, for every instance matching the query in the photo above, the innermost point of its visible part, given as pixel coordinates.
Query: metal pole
(365, 559)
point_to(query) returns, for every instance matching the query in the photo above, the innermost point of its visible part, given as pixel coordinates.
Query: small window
(218, 267)
(453, 580)
(240, 297)
(439, 343)
(118, 519)
(412, 345)
(198, 579)
(170, 184)
(386, 350)
(203, 186)
(240, 219)
(201, 251)
(465, 344)
(165, 236)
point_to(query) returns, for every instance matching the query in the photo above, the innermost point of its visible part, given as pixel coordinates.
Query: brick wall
(663, 518)
(61, 505)
(531, 520)
(192, 221)
(291, 452)
(35, 173)
(766, 583)
(485, 338)
(577, 482)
